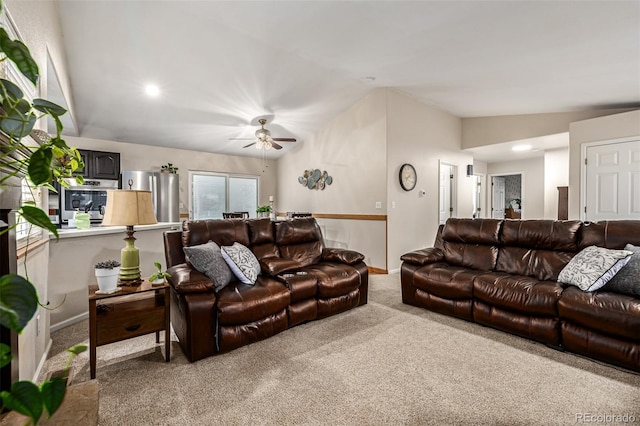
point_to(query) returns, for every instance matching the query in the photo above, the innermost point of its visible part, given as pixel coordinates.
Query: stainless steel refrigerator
(165, 189)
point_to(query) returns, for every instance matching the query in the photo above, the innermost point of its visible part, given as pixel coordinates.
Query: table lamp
(129, 208)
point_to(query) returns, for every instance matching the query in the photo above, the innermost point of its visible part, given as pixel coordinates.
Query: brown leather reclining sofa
(320, 282)
(503, 274)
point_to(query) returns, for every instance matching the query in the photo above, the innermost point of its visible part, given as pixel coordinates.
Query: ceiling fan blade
(276, 146)
(241, 139)
(284, 139)
(251, 144)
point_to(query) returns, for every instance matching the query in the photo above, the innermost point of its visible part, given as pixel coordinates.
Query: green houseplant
(169, 168)
(263, 211)
(42, 159)
(159, 276)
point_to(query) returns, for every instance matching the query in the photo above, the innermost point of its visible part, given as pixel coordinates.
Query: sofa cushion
(277, 265)
(223, 232)
(260, 231)
(348, 257)
(609, 313)
(242, 262)
(593, 267)
(553, 235)
(239, 303)
(207, 258)
(442, 280)
(471, 231)
(302, 286)
(612, 234)
(518, 293)
(627, 280)
(475, 256)
(541, 264)
(334, 279)
(423, 256)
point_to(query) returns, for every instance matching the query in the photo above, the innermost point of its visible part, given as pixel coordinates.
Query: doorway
(447, 192)
(478, 196)
(506, 196)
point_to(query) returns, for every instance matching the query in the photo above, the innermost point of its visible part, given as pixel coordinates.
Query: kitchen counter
(105, 230)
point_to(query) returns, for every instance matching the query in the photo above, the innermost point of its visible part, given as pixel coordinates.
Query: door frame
(482, 178)
(522, 192)
(453, 182)
(583, 168)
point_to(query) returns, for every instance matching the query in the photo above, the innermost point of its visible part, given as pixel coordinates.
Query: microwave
(91, 197)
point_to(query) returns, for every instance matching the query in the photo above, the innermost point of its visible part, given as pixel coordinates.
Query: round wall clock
(408, 177)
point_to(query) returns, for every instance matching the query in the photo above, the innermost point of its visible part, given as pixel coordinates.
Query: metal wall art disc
(315, 179)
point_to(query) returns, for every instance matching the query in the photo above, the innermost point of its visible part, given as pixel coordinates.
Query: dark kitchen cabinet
(100, 165)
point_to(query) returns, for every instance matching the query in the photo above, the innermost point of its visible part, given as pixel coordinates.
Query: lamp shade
(128, 207)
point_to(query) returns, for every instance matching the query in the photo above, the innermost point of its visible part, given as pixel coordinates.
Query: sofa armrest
(424, 256)
(276, 265)
(348, 257)
(185, 279)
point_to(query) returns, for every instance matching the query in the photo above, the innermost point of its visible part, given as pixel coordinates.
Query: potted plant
(43, 159)
(159, 277)
(169, 168)
(107, 275)
(263, 211)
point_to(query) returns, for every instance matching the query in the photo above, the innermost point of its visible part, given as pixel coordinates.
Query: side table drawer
(118, 321)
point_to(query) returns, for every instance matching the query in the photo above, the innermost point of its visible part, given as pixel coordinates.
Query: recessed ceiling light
(152, 90)
(521, 148)
(368, 79)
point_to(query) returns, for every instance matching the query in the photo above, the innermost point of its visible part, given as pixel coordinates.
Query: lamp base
(130, 260)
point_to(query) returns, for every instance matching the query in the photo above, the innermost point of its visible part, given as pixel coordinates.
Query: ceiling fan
(264, 139)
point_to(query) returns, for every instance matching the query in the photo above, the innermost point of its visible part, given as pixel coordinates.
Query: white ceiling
(223, 64)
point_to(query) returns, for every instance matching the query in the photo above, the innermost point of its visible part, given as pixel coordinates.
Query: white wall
(532, 171)
(352, 148)
(624, 125)
(151, 158)
(556, 173)
(423, 136)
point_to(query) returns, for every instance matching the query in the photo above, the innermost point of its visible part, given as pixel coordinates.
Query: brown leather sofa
(319, 282)
(503, 274)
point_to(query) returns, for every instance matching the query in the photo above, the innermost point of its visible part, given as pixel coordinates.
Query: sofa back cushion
(223, 232)
(262, 238)
(611, 234)
(537, 248)
(472, 243)
(300, 240)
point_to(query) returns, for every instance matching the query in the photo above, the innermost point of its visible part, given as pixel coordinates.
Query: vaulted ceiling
(221, 65)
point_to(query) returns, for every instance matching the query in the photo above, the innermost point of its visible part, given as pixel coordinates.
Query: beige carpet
(383, 363)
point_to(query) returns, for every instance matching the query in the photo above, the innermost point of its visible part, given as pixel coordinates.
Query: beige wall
(352, 149)
(34, 341)
(151, 158)
(532, 171)
(481, 131)
(619, 126)
(38, 24)
(423, 136)
(556, 173)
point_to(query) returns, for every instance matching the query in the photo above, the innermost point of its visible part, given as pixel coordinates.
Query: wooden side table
(130, 312)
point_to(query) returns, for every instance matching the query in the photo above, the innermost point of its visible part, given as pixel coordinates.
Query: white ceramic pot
(158, 281)
(107, 278)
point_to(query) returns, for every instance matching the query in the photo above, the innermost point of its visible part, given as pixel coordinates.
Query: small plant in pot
(159, 277)
(107, 275)
(263, 211)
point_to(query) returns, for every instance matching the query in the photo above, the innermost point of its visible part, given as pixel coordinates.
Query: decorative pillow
(206, 258)
(242, 262)
(627, 280)
(593, 267)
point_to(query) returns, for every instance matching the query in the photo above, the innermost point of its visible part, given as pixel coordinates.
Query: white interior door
(497, 197)
(447, 192)
(613, 181)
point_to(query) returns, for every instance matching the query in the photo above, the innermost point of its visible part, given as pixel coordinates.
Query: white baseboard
(45, 355)
(69, 321)
(394, 271)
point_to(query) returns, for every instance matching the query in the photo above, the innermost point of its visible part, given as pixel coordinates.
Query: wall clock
(408, 177)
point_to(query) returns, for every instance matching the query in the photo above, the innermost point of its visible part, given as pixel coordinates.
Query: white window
(24, 230)
(212, 194)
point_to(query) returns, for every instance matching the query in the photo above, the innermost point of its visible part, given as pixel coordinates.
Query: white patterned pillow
(242, 262)
(593, 267)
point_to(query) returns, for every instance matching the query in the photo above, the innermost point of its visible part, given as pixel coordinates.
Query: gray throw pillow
(242, 262)
(206, 258)
(627, 280)
(593, 267)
